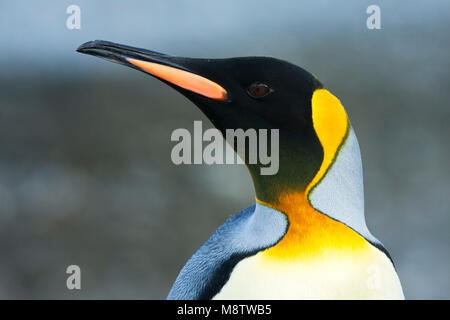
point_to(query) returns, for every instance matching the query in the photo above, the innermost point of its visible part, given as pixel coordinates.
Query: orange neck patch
(311, 233)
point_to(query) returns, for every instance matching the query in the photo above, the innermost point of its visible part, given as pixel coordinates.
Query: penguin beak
(172, 70)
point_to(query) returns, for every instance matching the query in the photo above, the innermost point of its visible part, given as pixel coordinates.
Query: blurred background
(85, 170)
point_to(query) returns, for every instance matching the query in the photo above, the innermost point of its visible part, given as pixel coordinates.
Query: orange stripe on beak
(184, 79)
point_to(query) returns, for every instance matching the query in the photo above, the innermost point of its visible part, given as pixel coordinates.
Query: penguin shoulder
(242, 235)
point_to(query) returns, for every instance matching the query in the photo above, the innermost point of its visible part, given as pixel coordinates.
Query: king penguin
(306, 236)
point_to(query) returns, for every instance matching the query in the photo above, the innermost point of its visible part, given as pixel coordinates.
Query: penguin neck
(331, 186)
(300, 160)
(329, 210)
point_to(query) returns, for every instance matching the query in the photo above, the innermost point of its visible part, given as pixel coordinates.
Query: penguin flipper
(242, 235)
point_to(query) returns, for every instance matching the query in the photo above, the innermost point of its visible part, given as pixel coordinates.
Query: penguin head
(252, 93)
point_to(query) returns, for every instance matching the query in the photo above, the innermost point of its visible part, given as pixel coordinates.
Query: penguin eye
(258, 90)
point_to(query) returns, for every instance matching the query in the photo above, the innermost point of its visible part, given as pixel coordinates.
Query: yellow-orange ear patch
(331, 125)
(184, 79)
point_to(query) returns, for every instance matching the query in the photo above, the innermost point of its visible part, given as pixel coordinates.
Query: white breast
(328, 277)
